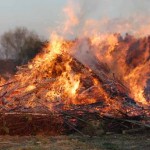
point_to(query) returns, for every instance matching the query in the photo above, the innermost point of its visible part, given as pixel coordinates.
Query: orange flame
(71, 83)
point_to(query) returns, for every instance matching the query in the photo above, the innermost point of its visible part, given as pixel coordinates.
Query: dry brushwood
(26, 106)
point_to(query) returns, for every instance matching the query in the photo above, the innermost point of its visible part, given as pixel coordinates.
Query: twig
(137, 123)
(133, 130)
(74, 128)
(8, 83)
(75, 117)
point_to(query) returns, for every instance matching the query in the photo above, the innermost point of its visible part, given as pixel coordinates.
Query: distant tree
(21, 44)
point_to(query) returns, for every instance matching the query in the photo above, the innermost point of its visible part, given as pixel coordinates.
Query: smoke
(106, 16)
(83, 52)
(85, 19)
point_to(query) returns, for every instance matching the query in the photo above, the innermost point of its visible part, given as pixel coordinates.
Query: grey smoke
(122, 15)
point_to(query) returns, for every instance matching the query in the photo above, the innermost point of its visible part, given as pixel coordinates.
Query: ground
(75, 142)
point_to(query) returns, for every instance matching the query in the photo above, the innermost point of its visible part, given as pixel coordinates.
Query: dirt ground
(75, 142)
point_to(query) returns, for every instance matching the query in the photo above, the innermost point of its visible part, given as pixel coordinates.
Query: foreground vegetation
(74, 142)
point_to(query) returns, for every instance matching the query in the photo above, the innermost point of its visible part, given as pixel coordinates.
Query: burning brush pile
(72, 83)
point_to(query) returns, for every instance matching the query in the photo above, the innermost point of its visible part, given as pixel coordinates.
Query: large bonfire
(104, 74)
(83, 71)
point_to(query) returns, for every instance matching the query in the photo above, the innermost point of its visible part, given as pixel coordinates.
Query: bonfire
(72, 81)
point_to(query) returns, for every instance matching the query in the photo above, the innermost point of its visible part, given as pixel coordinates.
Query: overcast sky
(44, 15)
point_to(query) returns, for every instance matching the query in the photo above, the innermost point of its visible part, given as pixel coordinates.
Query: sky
(43, 16)
(38, 15)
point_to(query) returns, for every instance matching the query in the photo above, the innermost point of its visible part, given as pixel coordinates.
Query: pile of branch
(70, 121)
(25, 109)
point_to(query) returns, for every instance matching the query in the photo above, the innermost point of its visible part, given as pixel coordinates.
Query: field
(75, 142)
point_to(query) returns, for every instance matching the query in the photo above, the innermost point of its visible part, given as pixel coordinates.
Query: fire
(95, 68)
(30, 88)
(68, 82)
(100, 41)
(137, 82)
(63, 74)
(2, 81)
(56, 62)
(72, 19)
(114, 52)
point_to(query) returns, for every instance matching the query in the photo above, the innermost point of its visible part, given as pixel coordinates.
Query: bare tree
(20, 44)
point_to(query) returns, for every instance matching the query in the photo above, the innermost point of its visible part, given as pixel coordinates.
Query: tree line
(21, 44)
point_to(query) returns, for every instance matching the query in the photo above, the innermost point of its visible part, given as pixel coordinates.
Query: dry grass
(74, 142)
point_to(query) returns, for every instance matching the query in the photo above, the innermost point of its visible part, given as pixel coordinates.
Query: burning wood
(70, 80)
(2, 81)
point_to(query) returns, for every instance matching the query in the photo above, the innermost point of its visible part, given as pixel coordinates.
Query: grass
(75, 142)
